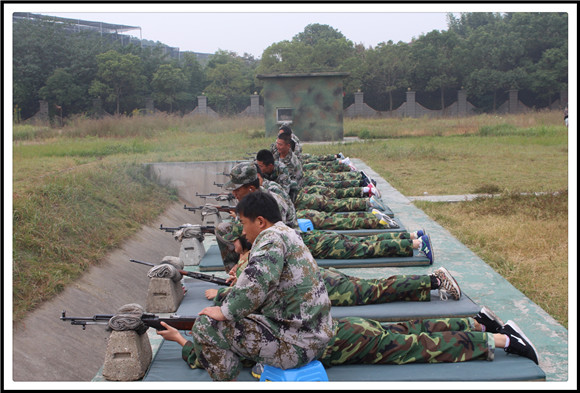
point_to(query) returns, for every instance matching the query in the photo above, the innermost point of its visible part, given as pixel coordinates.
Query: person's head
(265, 160)
(284, 144)
(257, 211)
(284, 129)
(243, 180)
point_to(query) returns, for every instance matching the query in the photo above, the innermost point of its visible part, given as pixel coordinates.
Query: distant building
(310, 103)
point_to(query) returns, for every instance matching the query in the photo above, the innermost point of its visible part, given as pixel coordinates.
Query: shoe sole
(519, 331)
(491, 315)
(452, 279)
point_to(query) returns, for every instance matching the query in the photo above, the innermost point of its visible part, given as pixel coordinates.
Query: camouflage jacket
(294, 167)
(287, 209)
(281, 175)
(281, 288)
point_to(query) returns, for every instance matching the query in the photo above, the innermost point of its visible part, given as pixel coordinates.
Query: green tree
(168, 83)
(230, 83)
(388, 68)
(436, 63)
(118, 76)
(61, 90)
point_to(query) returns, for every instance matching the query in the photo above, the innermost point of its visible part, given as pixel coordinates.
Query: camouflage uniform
(327, 166)
(281, 176)
(332, 245)
(333, 176)
(278, 312)
(229, 230)
(344, 290)
(364, 341)
(325, 204)
(335, 193)
(351, 220)
(294, 167)
(313, 181)
(314, 158)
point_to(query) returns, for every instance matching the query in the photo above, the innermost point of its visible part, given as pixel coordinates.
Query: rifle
(217, 197)
(151, 320)
(198, 276)
(203, 228)
(222, 208)
(220, 185)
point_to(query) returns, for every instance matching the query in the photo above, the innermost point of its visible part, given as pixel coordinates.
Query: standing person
(292, 162)
(277, 312)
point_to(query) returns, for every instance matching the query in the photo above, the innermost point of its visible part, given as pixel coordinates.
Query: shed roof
(303, 75)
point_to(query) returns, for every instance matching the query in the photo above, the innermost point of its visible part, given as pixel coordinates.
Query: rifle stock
(203, 228)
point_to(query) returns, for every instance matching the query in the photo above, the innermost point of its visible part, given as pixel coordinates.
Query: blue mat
(194, 301)
(212, 261)
(168, 366)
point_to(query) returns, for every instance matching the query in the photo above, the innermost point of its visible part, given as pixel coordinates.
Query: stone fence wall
(410, 108)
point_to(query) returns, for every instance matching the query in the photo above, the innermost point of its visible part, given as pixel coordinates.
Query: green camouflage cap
(243, 173)
(234, 233)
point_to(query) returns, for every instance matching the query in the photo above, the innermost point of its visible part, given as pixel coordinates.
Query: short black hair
(265, 156)
(246, 245)
(286, 138)
(259, 203)
(285, 129)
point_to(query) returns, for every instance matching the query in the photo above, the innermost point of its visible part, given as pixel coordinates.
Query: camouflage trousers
(350, 220)
(332, 176)
(313, 181)
(326, 166)
(364, 341)
(324, 204)
(334, 193)
(332, 245)
(315, 158)
(346, 290)
(220, 347)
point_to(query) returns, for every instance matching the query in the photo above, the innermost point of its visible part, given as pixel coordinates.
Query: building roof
(303, 75)
(101, 26)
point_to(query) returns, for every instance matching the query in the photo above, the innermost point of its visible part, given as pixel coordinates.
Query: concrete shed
(310, 103)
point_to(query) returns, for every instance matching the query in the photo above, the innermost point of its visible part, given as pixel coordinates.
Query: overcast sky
(251, 28)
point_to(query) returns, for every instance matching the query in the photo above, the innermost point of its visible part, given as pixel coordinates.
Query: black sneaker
(519, 343)
(487, 318)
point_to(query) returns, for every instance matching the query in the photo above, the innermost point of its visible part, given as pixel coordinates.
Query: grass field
(79, 191)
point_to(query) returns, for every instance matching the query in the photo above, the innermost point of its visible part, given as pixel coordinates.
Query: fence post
(410, 109)
(461, 103)
(358, 103)
(513, 101)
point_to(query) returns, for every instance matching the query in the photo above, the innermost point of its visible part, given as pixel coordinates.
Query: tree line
(485, 54)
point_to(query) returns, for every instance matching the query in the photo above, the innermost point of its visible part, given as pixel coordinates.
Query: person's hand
(214, 312)
(232, 275)
(171, 334)
(211, 293)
